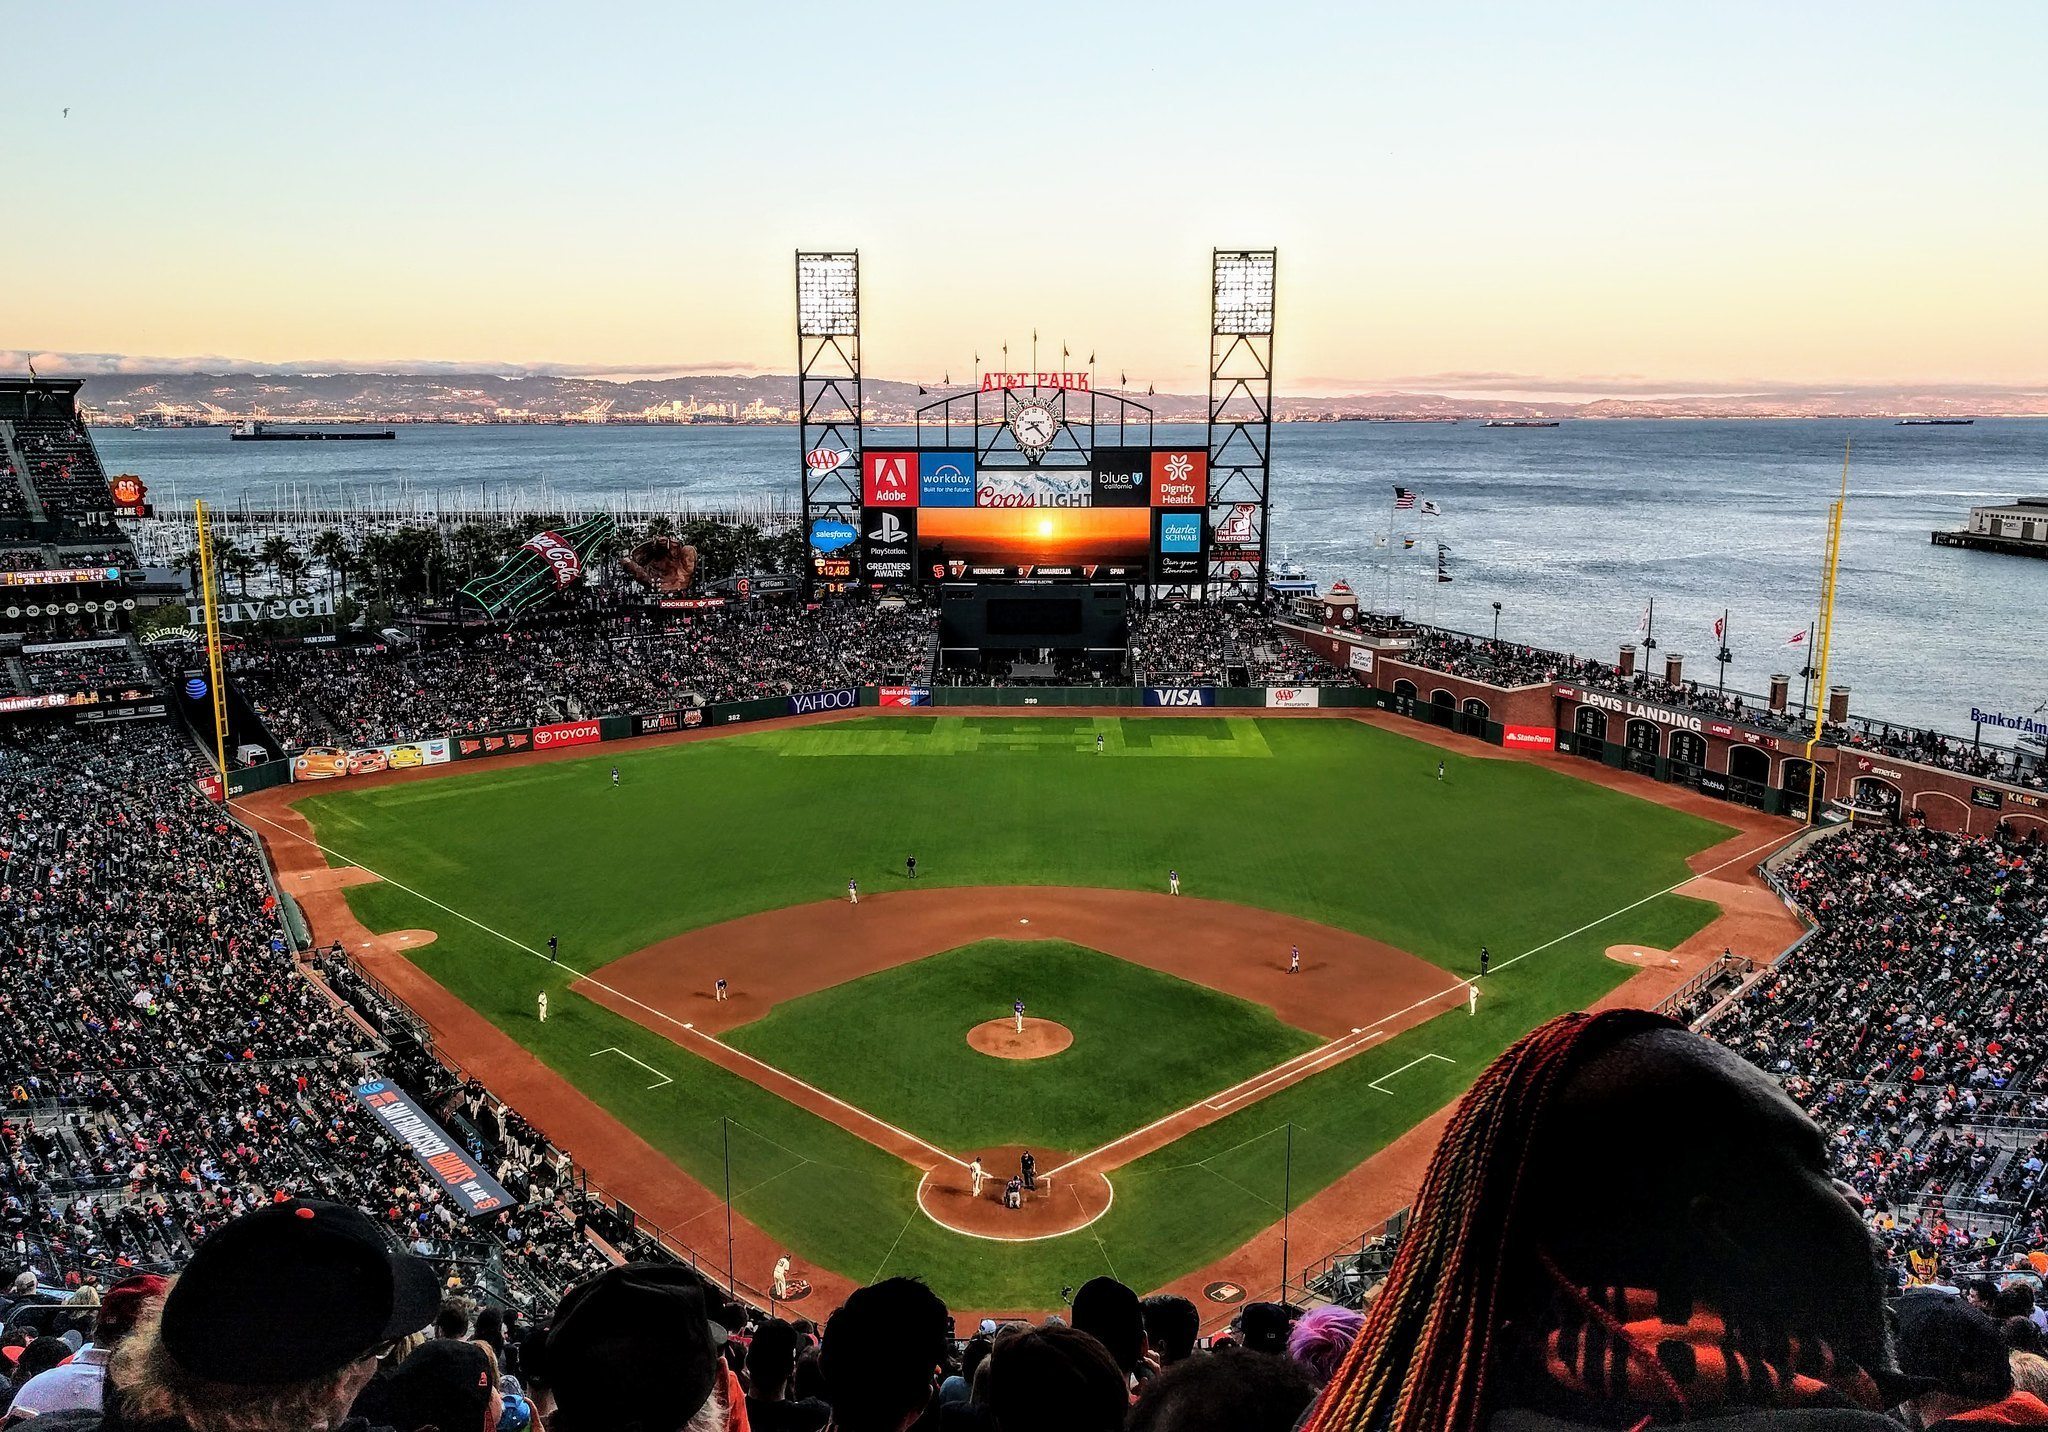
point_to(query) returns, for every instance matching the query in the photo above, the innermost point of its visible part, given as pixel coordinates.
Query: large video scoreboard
(1135, 514)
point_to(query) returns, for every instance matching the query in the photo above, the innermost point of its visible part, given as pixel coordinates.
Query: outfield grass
(1333, 820)
(1145, 1045)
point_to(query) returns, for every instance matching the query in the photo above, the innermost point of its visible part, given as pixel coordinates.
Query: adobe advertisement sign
(472, 1190)
(888, 550)
(889, 479)
(1180, 479)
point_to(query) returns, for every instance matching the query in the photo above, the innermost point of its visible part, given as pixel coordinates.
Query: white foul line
(610, 1049)
(1375, 1085)
(689, 1029)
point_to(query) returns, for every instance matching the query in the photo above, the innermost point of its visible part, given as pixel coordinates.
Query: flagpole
(1806, 671)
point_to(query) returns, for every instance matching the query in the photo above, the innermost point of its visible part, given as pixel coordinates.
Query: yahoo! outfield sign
(839, 698)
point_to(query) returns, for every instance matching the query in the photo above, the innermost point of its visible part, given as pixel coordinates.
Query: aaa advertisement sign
(1293, 698)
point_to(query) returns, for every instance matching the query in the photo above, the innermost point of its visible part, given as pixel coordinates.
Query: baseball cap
(1945, 1341)
(444, 1384)
(124, 1304)
(633, 1344)
(292, 1291)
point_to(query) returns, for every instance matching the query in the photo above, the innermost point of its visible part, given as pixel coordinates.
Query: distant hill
(487, 397)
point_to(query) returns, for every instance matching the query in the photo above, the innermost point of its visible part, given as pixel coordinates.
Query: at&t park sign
(1621, 706)
(275, 610)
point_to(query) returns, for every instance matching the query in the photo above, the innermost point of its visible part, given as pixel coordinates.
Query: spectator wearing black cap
(635, 1347)
(881, 1355)
(277, 1322)
(771, 1359)
(1951, 1345)
(1055, 1379)
(445, 1386)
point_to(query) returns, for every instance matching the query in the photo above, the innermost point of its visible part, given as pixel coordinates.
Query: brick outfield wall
(1948, 800)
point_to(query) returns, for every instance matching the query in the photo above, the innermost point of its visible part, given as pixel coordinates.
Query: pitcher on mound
(1018, 1010)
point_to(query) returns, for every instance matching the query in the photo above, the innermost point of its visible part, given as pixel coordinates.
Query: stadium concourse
(175, 1068)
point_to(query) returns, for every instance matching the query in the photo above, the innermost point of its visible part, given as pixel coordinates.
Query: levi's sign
(1621, 706)
(839, 698)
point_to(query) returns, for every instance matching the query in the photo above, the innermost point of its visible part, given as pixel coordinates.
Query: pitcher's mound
(1062, 1202)
(1000, 1038)
(1643, 957)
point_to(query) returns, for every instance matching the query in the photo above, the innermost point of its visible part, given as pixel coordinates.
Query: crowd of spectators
(1216, 644)
(1913, 1026)
(1932, 748)
(167, 1063)
(620, 663)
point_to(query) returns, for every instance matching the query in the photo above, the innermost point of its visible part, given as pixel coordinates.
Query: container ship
(273, 433)
(1936, 422)
(1521, 422)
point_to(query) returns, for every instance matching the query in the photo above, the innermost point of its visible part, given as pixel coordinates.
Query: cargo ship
(272, 433)
(1936, 422)
(1521, 422)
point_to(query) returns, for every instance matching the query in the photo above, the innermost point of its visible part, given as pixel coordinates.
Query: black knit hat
(1953, 1345)
(292, 1292)
(633, 1346)
(445, 1384)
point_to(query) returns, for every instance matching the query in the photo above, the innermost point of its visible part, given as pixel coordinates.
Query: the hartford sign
(277, 609)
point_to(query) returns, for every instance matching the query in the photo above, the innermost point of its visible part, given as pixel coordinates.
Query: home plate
(1023, 922)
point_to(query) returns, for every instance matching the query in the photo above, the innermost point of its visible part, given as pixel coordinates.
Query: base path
(1002, 1039)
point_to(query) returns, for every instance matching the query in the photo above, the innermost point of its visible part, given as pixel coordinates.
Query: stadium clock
(1033, 425)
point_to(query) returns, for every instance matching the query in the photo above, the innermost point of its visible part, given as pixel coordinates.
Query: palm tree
(292, 566)
(332, 548)
(275, 552)
(241, 566)
(226, 557)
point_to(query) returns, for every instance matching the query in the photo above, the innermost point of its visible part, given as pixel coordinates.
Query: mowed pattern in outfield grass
(1145, 1045)
(1333, 820)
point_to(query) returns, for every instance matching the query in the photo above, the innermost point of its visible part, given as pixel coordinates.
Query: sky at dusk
(1536, 198)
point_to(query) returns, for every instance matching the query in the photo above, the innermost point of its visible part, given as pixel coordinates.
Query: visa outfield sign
(277, 609)
(838, 698)
(2027, 725)
(1180, 696)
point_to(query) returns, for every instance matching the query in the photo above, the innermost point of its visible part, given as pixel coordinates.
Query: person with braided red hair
(1625, 1226)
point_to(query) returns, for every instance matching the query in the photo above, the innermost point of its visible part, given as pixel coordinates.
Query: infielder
(978, 1174)
(1018, 1010)
(853, 892)
(910, 866)
(1294, 960)
(780, 1282)
(1472, 998)
(718, 990)
(543, 1006)
(1173, 882)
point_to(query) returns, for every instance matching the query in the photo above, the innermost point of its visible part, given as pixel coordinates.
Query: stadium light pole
(1496, 622)
(1286, 1208)
(731, 1277)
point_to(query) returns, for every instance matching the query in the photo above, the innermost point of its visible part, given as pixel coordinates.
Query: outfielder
(615, 775)
(1098, 743)
(853, 892)
(1173, 882)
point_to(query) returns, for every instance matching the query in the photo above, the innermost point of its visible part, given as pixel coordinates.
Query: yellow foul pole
(1827, 627)
(220, 700)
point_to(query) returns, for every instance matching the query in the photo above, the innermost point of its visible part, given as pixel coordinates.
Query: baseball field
(836, 1086)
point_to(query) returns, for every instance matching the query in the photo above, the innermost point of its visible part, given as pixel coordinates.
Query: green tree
(331, 548)
(275, 552)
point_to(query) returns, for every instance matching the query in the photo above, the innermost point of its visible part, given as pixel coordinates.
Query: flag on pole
(1443, 563)
(1720, 627)
(1407, 542)
(1643, 621)
(1404, 498)
(1430, 509)
(1798, 638)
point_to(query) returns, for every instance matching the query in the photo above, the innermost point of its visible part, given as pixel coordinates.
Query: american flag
(1404, 498)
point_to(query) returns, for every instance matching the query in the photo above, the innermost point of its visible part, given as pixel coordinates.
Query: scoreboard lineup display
(1135, 514)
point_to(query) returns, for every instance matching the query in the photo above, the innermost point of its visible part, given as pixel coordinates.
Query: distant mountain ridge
(489, 397)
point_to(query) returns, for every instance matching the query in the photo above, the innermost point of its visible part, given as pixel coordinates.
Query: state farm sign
(567, 733)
